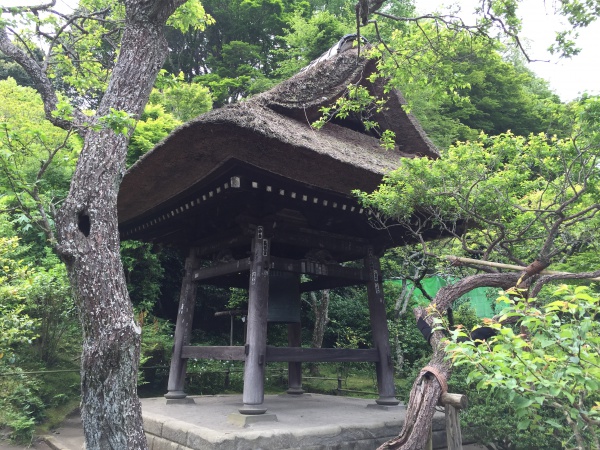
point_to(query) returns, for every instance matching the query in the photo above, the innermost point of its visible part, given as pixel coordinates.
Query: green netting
(482, 300)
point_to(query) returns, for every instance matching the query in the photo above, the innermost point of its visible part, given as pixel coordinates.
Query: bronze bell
(284, 297)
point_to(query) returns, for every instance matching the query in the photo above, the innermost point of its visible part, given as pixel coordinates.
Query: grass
(56, 415)
(355, 380)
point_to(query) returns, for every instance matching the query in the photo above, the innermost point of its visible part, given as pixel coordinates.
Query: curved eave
(334, 158)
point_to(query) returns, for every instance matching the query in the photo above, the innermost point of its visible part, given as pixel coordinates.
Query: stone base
(387, 401)
(295, 391)
(172, 395)
(253, 410)
(318, 422)
(245, 420)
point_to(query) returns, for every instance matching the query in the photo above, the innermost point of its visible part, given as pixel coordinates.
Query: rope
(441, 378)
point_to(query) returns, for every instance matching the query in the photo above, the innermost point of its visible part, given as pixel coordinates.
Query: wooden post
(453, 433)
(452, 404)
(294, 368)
(183, 329)
(256, 340)
(379, 329)
(429, 443)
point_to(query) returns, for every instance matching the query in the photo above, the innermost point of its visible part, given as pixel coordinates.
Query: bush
(547, 367)
(21, 407)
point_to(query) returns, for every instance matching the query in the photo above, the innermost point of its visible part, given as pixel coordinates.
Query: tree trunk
(88, 240)
(321, 310)
(428, 386)
(399, 311)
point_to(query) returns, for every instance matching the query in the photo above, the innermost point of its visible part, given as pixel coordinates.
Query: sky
(569, 78)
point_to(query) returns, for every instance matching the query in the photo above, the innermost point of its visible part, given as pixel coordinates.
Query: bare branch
(41, 82)
(32, 8)
(543, 280)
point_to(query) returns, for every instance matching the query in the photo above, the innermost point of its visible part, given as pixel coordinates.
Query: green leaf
(523, 424)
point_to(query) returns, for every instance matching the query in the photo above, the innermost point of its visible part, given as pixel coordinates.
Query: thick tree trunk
(88, 240)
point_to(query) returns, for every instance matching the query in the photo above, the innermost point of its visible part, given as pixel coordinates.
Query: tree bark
(321, 310)
(427, 389)
(88, 236)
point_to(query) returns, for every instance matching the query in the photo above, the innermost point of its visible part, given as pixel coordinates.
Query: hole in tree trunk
(84, 224)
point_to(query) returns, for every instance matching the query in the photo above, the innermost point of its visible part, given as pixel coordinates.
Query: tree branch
(40, 81)
(32, 8)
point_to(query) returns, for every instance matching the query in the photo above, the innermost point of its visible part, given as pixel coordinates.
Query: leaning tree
(505, 202)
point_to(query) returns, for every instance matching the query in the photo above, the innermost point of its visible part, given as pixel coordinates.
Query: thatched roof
(272, 131)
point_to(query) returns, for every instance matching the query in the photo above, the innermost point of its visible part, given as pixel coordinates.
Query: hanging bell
(284, 297)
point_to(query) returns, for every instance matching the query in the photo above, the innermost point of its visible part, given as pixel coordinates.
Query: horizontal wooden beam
(232, 312)
(235, 353)
(283, 354)
(306, 267)
(299, 354)
(459, 401)
(230, 239)
(206, 273)
(335, 243)
(327, 283)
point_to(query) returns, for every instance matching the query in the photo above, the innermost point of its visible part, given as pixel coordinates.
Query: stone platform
(308, 421)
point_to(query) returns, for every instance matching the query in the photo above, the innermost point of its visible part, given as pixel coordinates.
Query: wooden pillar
(453, 403)
(379, 329)
(256, 335)
(295, 368)
(183, 328)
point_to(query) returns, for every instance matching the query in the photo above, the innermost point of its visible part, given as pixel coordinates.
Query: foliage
(144, 274)
(184, 101)
(157, 344)
(15, 325)
(237, 73)
(457, 84)
(496, 94)
(347, 328)
(509, 189)
(235, 56)
(307, 38)
(20, 404)
(209, 377)
(553, 361)
(190, 16)
(153, 126)
(48, 299)
(36, 158)
(83, 61)
(491, 420)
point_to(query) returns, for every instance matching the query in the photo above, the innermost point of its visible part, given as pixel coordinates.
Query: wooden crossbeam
(298, 354)
(306, 267)
(328, 283)
(234, 353)
(283, 354)
(206, 273)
